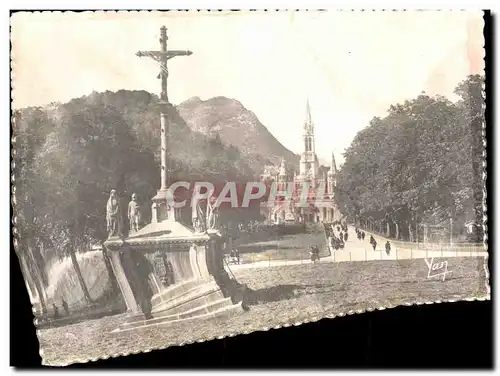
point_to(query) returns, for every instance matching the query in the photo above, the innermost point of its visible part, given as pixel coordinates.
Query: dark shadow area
(138, 273)
(285, 292)
(271, 294)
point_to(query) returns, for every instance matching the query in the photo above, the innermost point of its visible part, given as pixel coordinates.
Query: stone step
(199, 310)
(203, 287)
(214, 309)
(176, 291)
(200, 297)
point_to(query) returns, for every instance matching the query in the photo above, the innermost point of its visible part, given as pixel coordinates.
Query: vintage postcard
(186, 176)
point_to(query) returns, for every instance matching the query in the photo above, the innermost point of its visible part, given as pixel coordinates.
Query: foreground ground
(279, 296)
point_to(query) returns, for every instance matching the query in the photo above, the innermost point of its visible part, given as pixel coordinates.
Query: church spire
(333, 168)
(308, 125)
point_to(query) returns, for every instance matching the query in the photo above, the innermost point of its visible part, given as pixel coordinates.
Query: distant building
(322, 180)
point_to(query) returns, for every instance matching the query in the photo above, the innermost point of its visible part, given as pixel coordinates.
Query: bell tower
(308, 160)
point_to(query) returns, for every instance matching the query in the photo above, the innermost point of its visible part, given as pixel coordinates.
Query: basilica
(321, 206)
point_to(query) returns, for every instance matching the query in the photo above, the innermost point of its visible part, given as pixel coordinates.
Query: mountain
(216, 137)
(193, 155)
(238, 127)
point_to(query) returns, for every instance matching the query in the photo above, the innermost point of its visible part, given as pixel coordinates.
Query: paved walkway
(362, 250)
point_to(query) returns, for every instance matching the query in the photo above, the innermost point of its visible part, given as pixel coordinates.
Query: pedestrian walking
(346, 236)
(314, 253)
(65, 307)
(388, 247)
(56, 311)
(363, 235)
(336, 242)
(234, 257)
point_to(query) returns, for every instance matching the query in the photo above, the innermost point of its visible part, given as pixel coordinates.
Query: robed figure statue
(113, 215)
(212, 215)
(198, 218)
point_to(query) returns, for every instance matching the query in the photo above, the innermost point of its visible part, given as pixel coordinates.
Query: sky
(351, 65)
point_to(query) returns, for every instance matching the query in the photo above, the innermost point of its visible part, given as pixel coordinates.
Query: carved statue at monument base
(212, 219)
(198, 218)
(134, 214)
(113, 215)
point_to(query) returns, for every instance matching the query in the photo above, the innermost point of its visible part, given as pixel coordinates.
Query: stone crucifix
(162, 57)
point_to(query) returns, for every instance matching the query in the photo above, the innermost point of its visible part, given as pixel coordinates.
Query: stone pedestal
(126, 290)
(173, 273)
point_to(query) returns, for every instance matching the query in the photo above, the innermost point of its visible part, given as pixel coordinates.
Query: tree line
(422, 164)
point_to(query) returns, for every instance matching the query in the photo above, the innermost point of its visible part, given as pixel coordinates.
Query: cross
(162, 57)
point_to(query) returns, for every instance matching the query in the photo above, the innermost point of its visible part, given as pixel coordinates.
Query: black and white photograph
(185, 176)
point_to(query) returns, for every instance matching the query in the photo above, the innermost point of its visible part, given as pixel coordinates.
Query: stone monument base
(171, 273)
(189, 298)
(188, 301)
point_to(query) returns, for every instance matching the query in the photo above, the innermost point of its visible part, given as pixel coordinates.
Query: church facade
(320, 204)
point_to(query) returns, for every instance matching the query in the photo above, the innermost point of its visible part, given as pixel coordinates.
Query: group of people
(341, 226)
(337, 234)
(373, 242)
(361, 236)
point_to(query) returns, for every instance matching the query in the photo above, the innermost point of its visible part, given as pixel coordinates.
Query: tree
(31, 126)
(418, 164)
(92, 151)
(471, 105)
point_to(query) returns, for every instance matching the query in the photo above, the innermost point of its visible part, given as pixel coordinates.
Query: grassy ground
(259, 246)
(278, 296)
